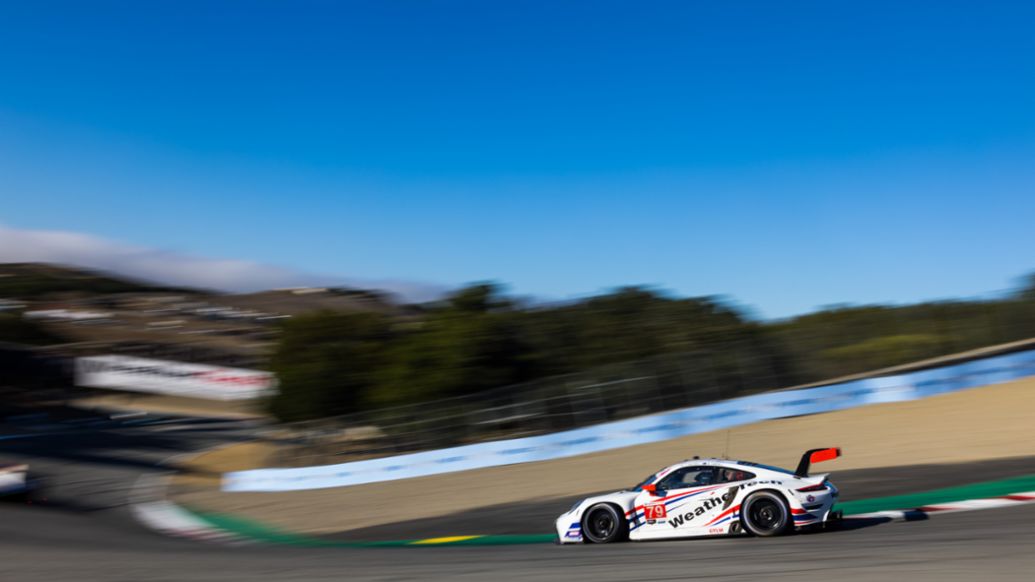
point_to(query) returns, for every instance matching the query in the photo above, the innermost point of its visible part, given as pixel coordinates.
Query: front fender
(569, 524)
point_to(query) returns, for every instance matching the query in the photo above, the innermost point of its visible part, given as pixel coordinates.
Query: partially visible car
(15, 481)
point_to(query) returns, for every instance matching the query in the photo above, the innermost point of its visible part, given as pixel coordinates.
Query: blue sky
(789, 155)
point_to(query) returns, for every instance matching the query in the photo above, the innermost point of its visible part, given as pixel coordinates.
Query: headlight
(574, 507)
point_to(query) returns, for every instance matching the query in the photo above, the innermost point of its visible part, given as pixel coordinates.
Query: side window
(687, 477)
(729, 475)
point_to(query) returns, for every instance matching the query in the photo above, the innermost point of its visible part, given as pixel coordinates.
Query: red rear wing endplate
(816, 456)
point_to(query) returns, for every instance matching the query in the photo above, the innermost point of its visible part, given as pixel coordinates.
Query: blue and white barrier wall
(644, 429)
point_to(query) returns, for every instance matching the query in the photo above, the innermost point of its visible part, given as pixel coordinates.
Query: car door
(682, 501)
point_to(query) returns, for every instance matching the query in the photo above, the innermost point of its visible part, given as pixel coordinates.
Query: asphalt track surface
(84, 531)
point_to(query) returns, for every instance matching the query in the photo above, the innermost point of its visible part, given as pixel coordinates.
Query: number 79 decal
(654, 511)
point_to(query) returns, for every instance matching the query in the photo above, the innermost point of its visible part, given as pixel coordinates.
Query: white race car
(707, 497)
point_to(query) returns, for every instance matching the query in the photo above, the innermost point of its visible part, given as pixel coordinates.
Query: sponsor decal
(716, 530)
(669, 426)
(761, 482)
(708, 504)
(800, 402)
(581, 441)
(517, 451)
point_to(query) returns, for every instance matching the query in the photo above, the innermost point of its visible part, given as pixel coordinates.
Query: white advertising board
(174, 378)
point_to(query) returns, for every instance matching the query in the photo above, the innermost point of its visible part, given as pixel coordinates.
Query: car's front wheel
(766, 514)
(603, 524)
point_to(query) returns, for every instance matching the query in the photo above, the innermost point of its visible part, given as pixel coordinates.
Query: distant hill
(45, 281)
(35, 281)
(123, 315)
(299, 301)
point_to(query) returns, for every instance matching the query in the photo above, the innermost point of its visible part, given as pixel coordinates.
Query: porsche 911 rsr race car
(707, 497)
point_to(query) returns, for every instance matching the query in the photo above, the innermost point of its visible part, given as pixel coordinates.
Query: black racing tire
(604, 523)
(766, 514)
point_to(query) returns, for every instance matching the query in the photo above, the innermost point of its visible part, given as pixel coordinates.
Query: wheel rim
(766, 515)
(601, 524)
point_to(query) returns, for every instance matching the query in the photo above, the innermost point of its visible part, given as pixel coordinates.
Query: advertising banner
(173, 378)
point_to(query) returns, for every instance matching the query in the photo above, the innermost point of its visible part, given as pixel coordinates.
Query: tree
(17, 330)
(328, 363)
(468, 343)
(477, 339)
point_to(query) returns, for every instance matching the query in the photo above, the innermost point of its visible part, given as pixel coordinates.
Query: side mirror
(652, 489)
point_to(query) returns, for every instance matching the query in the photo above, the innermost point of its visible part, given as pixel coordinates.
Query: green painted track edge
(260, 532)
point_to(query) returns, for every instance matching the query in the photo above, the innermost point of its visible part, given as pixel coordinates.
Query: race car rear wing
(815, 456)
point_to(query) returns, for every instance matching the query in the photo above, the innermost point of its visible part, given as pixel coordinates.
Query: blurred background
(249, 234)
(421, 225)
(352, 373)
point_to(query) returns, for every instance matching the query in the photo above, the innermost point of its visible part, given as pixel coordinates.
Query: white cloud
(171, 268)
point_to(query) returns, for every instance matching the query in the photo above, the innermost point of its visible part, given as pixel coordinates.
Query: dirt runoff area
(982, 423)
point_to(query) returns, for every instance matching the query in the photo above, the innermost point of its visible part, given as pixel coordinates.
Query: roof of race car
(728, 463)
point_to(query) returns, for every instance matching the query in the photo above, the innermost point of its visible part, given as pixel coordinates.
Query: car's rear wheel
(603, 524)
(766, 514)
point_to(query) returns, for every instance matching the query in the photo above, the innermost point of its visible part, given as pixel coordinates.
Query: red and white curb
(953, 507)
(154, 511)
(170, 519)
